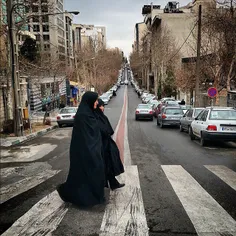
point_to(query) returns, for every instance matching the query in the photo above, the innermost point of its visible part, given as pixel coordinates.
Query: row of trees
(218, 54)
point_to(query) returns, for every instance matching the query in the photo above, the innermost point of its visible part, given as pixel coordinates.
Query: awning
(73, 83)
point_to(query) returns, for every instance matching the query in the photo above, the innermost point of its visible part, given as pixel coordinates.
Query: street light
(17, 117)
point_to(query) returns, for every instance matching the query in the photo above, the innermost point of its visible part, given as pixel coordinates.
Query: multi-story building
(49, 30)
(84, 35)
(69, 39)
(139, 31)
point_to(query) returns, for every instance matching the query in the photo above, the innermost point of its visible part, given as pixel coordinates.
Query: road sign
(212, 92)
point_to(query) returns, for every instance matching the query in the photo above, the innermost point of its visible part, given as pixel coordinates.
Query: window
(45, 28)
(45, 19)
(204, 115)
(197, 112)
(35, 9)
(35, 19)
(190, 113)
(46, 37)
(38, 37)
(44, 8)
(174, 111)
(44, 1)
(36, 28)
(223, 115)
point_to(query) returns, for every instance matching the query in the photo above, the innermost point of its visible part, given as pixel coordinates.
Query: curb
(27, 137)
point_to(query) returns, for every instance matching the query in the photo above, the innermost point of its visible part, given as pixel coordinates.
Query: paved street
(173, 185)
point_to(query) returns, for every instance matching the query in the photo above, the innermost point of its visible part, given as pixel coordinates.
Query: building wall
(139, 31)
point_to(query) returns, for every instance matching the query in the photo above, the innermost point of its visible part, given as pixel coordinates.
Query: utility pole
(197, 94)
(17, 112)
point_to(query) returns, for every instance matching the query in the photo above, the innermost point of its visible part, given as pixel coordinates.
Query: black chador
(85, 182)
(113, 164)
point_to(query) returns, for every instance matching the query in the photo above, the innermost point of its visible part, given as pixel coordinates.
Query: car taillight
(58, 117)
(150, 112)
(212, 128)
(137, 112)
(73, 116)
(163, 116)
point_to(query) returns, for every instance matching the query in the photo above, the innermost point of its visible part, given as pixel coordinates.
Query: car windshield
(144, 106)
(174, 111)
(67, 110)
(197, 112)
(223, 115)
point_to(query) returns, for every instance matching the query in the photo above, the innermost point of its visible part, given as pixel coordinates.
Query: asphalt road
(151, 148)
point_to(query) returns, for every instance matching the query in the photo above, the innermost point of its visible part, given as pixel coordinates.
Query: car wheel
(192, 137)
(180, 128)
(60, 125)
(152, 119)
(158, 122)
(203, 141)
(136, 118)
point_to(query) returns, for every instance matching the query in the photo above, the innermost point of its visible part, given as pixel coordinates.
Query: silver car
(169, 116)
(66, 116)
(187, 119)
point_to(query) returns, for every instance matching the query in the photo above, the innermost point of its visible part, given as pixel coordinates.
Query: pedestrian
(111, 154)
(84, 186)
(182, 102)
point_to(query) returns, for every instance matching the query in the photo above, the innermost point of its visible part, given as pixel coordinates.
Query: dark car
(187, 119)
(169, 116)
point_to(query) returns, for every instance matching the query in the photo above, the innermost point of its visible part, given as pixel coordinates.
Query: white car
(217, 123)
(105, 98)
(126, 82)
(144, 111)
(66, 116)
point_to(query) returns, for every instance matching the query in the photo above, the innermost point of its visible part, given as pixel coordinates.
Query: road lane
(152, 147)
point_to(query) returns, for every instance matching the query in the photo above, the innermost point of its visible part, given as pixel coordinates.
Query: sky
(118, 16)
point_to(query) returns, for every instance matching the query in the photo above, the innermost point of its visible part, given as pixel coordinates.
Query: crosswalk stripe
(207, 216)
(224, 173)
(125, 214)
(42, 219)
(29, 176)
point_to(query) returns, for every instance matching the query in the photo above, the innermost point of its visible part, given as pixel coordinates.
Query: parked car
(169, 116)
(66, 116)
(188, 117)
(105, 98)
(185, 108)
(143, 111)
(126, 82)
(214, 123)
(148, 98)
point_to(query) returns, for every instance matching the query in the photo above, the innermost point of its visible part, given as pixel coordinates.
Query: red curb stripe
(120, 138)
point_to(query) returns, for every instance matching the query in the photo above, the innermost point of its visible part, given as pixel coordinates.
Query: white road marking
(23, 178)
(125, 214)
(207, 216)
(26, 153)
(42, 219)
(224, 173)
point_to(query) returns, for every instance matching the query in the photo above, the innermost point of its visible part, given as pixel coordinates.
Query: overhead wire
(176, 53)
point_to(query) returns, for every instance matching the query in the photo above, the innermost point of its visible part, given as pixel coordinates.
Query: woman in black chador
(113, 164)
(85, 182)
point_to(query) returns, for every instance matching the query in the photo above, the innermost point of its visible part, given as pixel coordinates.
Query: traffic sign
(212, 92)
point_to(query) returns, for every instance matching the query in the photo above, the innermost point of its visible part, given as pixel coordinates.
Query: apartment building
(69, 39)
(84, 35)
(49, 30)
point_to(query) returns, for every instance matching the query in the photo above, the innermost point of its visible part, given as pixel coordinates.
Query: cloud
(118, 16)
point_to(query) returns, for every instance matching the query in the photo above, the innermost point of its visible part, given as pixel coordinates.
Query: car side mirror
(196, 118)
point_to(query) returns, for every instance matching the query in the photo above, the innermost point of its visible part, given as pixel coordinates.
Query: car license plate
(143, 111)
(224, 128)
(66, 116)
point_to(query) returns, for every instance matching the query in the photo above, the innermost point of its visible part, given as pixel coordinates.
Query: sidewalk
(11, 141)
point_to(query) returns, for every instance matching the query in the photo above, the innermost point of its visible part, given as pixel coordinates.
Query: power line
(184, 41)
